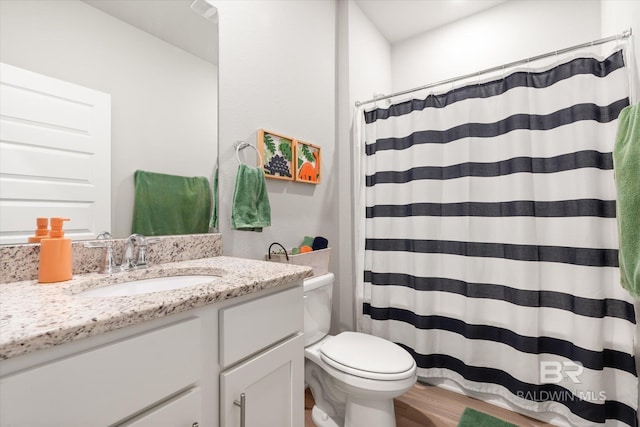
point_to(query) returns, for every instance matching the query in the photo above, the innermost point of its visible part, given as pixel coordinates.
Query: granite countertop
(36, 316)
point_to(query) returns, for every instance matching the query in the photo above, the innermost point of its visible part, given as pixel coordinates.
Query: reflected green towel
(250, 210)
(472, 418)
(626, 164)
(170, 204)
(214, 211)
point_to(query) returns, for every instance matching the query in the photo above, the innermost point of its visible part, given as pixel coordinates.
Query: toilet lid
(367, 356)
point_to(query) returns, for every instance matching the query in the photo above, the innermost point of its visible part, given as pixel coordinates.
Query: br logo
(553, 372)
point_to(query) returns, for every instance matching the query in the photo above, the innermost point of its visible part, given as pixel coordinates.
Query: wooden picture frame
(308, 162)
(278, 155)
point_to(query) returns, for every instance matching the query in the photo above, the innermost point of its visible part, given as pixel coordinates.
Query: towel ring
(241, 146)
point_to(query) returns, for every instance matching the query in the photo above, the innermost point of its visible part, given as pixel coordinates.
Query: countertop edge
(250, 276)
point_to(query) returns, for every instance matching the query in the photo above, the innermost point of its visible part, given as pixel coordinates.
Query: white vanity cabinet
(108, 383)
(266, 387)
(167, 371)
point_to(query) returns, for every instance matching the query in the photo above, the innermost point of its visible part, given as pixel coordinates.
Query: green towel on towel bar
(626, 165)
(250, 210)
(170, 204)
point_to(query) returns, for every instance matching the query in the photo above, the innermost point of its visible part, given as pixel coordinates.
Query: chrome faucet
(130, 260)
(109, 263)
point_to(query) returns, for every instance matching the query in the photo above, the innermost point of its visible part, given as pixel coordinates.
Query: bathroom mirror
(158, 62)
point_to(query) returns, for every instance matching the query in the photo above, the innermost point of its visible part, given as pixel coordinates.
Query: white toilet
(353, 376)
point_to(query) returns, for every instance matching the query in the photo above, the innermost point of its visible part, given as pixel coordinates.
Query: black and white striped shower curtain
(489, 238)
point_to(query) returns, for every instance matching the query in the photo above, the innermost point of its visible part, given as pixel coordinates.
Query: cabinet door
(273, 385)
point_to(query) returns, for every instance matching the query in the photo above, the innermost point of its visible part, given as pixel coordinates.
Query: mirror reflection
(158, 63)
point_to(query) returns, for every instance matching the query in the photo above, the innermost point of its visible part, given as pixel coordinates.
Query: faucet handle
(104, 241)
(141, 240)
(151, 240)
(142, 251)
(128, 261)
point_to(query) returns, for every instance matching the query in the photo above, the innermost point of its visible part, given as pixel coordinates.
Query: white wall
(163, 100)
(619, 15)
(364, 68)
(508, 32)
(342, 309)
(369, 57)
(278, 72)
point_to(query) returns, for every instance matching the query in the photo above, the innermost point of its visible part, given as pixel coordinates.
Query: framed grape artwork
(278, 155)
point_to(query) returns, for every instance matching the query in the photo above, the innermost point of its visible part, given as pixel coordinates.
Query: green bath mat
(472, 418)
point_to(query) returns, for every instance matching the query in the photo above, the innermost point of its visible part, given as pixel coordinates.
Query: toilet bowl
(353, 376)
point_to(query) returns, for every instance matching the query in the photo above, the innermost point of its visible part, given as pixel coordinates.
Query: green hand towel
(472, 418)
(626, 165)
(250, 210)
(170, 204)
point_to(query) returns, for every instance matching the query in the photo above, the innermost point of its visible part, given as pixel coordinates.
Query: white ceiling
(174, 22)
(401, 19)
(170, 20)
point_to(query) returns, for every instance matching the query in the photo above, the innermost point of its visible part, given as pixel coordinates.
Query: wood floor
(428, 406)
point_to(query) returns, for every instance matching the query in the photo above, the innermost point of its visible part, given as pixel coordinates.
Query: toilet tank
(317, 307)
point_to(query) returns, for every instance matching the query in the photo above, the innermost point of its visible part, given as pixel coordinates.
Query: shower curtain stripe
(598, 360)
(577, 160)
(526, 276)
(540, 209)
(490, 240)
(577, 256)
(538, 80)
(532, 122)
(489, 316)
(458, 190)
(544, 299)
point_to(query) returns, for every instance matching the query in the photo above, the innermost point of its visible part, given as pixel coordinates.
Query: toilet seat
(367, 356)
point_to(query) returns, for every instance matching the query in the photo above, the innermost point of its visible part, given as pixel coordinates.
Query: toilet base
(321, 419)
(359, 414)
(369, 413)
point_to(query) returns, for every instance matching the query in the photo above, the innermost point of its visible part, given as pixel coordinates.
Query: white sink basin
(146, 286)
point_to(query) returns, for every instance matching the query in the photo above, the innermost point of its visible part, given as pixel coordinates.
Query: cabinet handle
(242, 405)
(195, 424)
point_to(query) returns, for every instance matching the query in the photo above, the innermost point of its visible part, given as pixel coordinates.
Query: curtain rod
(625, 34)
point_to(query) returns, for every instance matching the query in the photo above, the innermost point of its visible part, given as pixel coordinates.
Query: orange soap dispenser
(55, 255)
(42, 232)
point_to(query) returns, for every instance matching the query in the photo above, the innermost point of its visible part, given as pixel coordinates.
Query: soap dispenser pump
(55, 255)
(42, 231)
